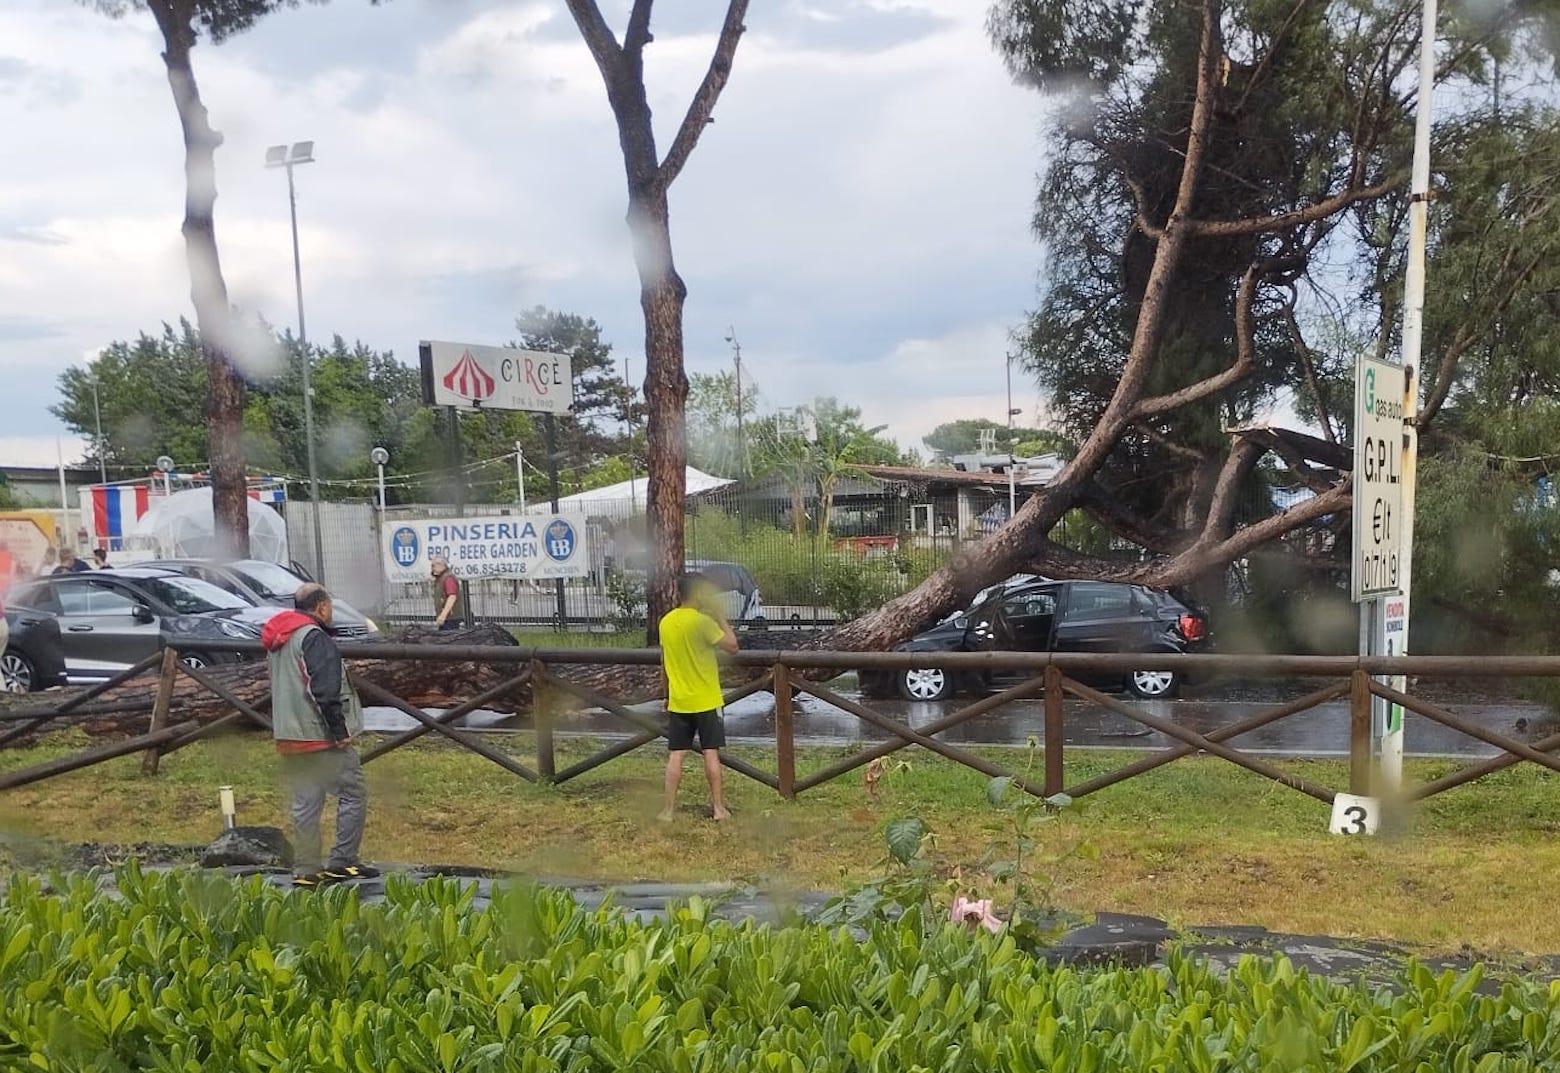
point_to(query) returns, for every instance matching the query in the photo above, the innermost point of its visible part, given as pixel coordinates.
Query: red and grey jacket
(313, 705)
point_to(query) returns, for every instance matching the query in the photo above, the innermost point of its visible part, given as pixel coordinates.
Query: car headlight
(241, 630)
(373, 627)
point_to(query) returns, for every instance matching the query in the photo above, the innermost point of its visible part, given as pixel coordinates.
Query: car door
(100, 628)
(1025, 621)
(1099, 616)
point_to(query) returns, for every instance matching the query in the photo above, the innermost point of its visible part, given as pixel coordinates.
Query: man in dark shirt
(69, 564)
(449, 607)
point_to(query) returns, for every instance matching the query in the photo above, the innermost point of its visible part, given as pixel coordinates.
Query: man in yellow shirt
(690, 634)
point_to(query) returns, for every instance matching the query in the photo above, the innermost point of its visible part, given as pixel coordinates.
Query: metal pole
(381, 488)
(308, 390)
(1012, 490)
(97, 416)
(551, 426)
(520, 472)
(736, 358)
(1413, 329)
(628, 420)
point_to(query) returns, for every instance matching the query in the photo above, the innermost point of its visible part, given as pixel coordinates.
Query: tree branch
(1108, 511)
(638, 33)
(1202, 555)
(1245, 359)
(702, 106)
(1308, 366)
(1237, 466)
(1255, 225)
(599, 38)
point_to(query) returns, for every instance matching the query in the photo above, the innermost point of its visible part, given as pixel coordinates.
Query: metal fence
(878, 543)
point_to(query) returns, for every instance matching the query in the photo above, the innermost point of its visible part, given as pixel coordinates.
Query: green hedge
(193, 972)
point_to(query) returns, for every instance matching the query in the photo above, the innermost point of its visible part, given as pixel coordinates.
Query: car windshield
(268, 579)
(188, 595)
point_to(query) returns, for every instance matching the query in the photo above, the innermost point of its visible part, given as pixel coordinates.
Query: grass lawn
(1196, 842)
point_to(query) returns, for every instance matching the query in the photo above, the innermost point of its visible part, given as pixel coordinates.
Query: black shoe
(349, 871)
(310, 881)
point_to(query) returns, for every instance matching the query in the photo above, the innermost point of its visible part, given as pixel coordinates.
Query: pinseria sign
(1378, 479)
(472, 377)
(525, 546)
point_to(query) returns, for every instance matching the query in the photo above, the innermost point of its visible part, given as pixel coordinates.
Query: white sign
(509, 545)
(1378, 480)
(1355, 815)
(495, 378)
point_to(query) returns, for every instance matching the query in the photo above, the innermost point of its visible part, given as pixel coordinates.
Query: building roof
(967, 478)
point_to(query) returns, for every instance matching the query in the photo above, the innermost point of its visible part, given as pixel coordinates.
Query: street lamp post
(279, 156)
(379, 456)
(97, 417)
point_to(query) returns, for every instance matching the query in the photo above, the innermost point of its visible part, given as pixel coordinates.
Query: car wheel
(1152, 685)
(928, 683)
(16, 672)
(199, 660)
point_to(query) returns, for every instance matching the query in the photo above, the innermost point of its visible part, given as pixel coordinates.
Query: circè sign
(472, 377)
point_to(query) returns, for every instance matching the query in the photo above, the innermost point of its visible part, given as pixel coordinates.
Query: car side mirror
(142, 614)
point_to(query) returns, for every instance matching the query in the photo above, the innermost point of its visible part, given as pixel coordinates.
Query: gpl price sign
(1378, 479)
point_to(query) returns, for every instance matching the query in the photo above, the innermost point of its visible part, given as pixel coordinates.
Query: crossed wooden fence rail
(787, 673)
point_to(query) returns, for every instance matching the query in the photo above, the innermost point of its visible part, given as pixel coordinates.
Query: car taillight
(1193, 628)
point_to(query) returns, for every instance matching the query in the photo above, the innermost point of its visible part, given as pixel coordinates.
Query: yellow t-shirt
(688, 653)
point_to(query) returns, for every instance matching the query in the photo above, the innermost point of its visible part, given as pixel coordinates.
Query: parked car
(34, 658)
(110, 619)
(265, 584)
(737, 587)
(1052, 616)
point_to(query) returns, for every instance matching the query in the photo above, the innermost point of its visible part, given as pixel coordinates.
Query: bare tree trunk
(661, 290)
(224, 386)
(661, 296)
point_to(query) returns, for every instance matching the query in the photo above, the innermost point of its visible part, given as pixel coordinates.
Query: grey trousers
(314, 777)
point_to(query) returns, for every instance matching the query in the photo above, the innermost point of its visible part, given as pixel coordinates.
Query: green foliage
(963, 437)
(806, 570)
(193, 972)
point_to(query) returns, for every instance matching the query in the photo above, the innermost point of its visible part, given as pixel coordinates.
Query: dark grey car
(263, 584)
(110, 619)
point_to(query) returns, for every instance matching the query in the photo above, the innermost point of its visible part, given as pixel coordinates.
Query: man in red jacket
(315, 714)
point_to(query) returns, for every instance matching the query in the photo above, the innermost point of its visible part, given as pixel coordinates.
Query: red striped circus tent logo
(470, 380)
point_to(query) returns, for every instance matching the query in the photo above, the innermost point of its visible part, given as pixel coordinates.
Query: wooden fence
(788, 673)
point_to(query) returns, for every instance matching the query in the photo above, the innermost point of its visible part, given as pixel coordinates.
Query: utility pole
(628, 423)
(736, 360)
(1012, 462)
(550, 425)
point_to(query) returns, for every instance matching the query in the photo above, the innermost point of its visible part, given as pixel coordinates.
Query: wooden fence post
(1359, 732)
(165, 680)
(1054, 779)
(785, 731)
(542, 718)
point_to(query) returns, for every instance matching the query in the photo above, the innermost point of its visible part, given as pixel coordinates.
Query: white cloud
(42, 451)
(865, 205)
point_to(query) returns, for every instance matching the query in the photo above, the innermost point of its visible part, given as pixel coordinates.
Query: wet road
(1320, 732)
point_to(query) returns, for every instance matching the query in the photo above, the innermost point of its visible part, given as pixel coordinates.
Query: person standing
(100, 559)
(691, 633)
(69, 564)
(449, 604)
(315, 713)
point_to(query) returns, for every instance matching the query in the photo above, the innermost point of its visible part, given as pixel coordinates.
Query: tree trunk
(224, 409)
(661, 296)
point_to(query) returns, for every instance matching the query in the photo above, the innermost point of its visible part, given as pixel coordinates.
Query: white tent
(183, 526)
(627, 498)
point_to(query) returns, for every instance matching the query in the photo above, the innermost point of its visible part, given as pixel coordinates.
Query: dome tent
(183, 526)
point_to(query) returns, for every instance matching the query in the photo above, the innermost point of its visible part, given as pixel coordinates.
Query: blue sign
(559, 542)
(404, 543)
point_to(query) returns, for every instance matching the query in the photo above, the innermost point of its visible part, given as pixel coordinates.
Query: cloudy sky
(858, 211)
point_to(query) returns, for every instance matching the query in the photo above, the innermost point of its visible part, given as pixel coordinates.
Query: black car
(110, 619)
(1052, 616)
(266, 584)
(34, 657)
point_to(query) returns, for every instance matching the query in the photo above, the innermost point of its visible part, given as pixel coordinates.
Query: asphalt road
(1320, 732)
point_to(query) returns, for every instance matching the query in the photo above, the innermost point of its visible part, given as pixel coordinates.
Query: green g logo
(1370, 391)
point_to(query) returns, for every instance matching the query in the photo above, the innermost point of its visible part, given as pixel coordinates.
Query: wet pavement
(1320, 732)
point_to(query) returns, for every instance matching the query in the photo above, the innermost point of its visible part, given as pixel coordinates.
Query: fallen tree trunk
(423, 683)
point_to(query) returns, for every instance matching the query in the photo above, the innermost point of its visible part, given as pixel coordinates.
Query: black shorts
(710, 726)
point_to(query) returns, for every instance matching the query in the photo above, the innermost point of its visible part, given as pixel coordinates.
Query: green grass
(1196, 842)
